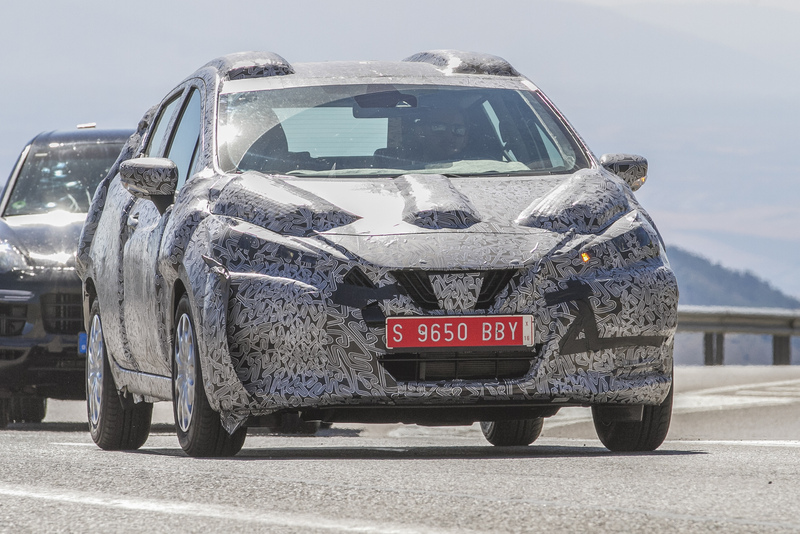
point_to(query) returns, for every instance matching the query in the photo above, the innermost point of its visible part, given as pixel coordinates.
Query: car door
(144, 313)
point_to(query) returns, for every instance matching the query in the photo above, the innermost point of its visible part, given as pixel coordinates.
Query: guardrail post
(714, 348)
(781, 350)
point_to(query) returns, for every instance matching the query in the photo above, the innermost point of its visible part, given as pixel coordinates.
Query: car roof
(431, 64)
(83, 135)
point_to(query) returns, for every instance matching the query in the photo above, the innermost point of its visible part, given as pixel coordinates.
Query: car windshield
(61, 176)
(389, 130)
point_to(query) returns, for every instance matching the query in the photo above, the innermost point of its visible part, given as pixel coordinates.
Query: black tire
(635, 436)
(513, 433)
(200, 431)
(292, 423)
(28, 409)
(115, 425)
(5, 412)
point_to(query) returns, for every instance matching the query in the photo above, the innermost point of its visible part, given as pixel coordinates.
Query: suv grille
(12, 319)
(406, 366)
(62, 313)
(11, 354)
(417, 285)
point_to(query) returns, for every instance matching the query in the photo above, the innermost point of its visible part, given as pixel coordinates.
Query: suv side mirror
(631, 168)
(153, 179)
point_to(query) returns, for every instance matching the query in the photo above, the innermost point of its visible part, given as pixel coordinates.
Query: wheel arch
(178, 290)
(89, 296)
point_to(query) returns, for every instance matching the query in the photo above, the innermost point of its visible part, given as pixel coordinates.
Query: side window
(183, 148)
(158, 140)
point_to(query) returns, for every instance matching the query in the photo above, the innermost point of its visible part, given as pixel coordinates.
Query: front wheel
(200, 431)
(113, 424)
(635, 436)
(514, 433)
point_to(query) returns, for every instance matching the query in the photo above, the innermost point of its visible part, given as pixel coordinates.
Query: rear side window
(158, 139)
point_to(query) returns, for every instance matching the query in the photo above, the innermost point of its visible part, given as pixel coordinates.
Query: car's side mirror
(631, 168)
(153, 179)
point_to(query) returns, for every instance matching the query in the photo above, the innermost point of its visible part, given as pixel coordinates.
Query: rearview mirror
(385, 104)
(153, 179)
(631, 168)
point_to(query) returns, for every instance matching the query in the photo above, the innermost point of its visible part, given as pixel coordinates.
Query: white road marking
(740, 396)
(204, 510)
(692, 403)
(792, 444)
(766, 394)
(415, 431)
(786, 385)
(569, 416)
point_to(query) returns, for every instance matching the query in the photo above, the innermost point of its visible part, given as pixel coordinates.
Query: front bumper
(40, 321)
(275, 343)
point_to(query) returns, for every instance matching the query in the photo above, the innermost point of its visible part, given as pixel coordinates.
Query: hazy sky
(707, 90)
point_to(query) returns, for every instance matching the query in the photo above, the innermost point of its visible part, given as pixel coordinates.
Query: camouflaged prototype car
(425, 241)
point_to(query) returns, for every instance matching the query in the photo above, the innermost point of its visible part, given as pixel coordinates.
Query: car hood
(47, 239)
(437, 221)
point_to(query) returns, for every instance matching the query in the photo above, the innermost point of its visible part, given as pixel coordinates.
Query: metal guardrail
(716, 321)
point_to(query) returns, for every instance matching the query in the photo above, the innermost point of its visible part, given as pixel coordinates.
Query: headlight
(269, 253)
(11, 258)
(634, 245)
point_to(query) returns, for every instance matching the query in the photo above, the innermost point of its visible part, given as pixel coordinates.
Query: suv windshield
(388, 130)
(61, 176)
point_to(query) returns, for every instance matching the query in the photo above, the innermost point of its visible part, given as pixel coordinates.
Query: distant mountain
(702, 282)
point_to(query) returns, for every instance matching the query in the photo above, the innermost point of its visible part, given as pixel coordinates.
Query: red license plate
(470, 331)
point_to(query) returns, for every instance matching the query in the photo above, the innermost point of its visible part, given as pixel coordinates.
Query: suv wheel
(28, 409)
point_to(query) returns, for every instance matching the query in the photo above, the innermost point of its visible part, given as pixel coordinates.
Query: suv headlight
(11, 258)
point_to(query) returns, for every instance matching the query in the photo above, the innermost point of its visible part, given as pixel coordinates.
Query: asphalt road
(730, 464)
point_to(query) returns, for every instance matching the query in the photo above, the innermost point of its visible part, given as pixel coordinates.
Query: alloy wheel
(94, 370)
(185, 361)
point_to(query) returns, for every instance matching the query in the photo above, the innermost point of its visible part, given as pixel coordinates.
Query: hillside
(702, 282)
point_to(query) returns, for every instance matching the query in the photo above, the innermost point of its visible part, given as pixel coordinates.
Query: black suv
(42, 210)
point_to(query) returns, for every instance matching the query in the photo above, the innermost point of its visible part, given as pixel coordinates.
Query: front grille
(408, 366)
(417, 285)
(493, 283)
(62, 313)
(356, 277)
(12, 319)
